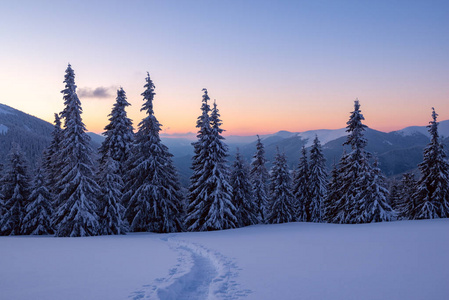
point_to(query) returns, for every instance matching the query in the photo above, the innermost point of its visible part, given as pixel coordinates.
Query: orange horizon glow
(294, 66)
(95, 123)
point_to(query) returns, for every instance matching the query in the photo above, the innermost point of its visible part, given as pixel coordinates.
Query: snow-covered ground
(3, 129)
(397, 260)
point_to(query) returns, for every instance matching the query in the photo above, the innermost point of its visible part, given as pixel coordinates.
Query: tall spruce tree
(373, 200)
(259, 180)
(76, 213)
(155, 198)
(301, 189)
(281, 196)
(354, 170)
(318, 181)
(242, 196)
(39, 210)
(210, 206)
(52, 162)
(114, 152)
(432, 195)
(118, 133)
(196, 204)
(16, 192)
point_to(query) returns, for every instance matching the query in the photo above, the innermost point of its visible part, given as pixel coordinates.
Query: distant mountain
(398, 151)
(443, 130)
(31, 133)
(96, 139)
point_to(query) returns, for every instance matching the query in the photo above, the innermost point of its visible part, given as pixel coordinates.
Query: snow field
(395, 260)
(200, 273)
(106, 267)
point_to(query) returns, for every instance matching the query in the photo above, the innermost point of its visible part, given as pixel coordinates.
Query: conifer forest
(132, 185)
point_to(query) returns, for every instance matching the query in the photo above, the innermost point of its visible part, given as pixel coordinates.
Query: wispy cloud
(98, 92)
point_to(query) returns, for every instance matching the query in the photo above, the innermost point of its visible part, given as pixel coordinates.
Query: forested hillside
(31, 133)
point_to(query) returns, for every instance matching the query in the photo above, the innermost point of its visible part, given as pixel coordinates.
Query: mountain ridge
(31, 133)
(398, 151)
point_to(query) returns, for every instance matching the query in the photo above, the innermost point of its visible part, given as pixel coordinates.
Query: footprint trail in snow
(200, 273)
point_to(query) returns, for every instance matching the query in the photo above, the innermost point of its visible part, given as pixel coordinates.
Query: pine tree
(118, 134)
(196, 204)
(281, 200)
(330, 208)
(432, 195)
(77, 200)
(407, 206)
(155, 199)
(373, 200)
(16, 192)
(39, 210)
(259, 180)
(114, 152)
(242, 197)
(318, 181)
(394, 199)
(210, 205)
(52, 162)
(354, 170)
(301, 189)
(111, 211)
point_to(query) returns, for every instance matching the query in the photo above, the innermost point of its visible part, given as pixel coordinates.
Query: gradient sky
(271, 65)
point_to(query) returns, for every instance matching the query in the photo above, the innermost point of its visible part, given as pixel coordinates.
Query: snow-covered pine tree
(281, 196)
(432, 195)
(394, 198)
(373, 200)
(77, 200)
(210, 204)
(221, 214)
(354, 170)
(16, 192)
(301, 192)
(118, 133)
(114, 152)
(318, 181)
(52, 162)
(259, 180)
(196, 207)
(111, 211)
(406, 206)
(330, 208)
(155, 198)
(39, 210)
(242, 196)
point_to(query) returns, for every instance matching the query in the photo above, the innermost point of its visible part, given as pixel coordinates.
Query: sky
(270, 65)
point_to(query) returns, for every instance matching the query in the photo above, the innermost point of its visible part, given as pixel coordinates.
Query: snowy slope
(398, 260)
(443, 130)
(6, 110)
(80, 268)
(324, 135)
(3, 129)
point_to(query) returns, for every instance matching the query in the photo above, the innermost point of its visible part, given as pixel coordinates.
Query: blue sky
(271, 65)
